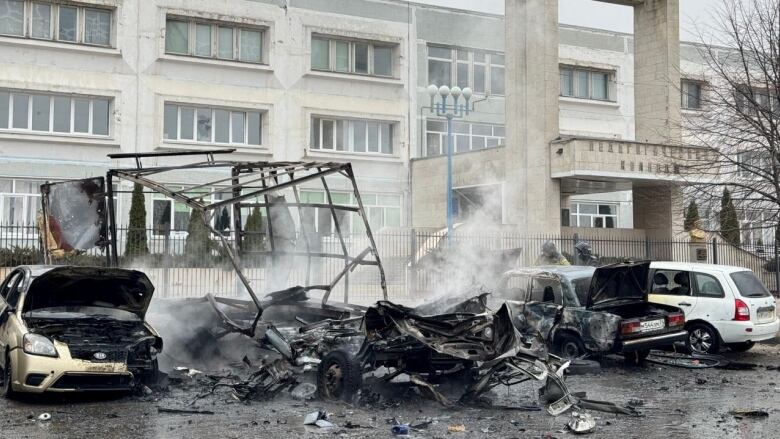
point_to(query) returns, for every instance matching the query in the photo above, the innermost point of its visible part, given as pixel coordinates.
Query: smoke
(473, 259)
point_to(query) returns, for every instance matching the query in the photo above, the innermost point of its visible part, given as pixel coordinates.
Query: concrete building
(568, 133)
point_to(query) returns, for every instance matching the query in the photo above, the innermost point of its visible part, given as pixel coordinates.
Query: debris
(184, 411)
(582, 423)
(350, 424)
(313, 417)
(322, 423)
(700, 380)
(635, 402)
(44, 417)
(456, 428)
(146, 390)
(400, 429)
(749, 413)
(304, 391)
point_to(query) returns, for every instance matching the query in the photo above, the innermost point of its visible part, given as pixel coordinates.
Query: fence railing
(417, 262)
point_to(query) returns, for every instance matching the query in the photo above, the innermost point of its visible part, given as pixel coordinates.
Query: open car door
(74, 216)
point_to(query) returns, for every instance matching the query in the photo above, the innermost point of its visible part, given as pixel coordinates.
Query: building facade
(332, 80)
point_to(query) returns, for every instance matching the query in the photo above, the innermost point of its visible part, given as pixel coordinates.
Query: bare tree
(737, 126)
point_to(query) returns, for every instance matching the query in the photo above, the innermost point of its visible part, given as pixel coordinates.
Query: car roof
(38, 270)
(693, 266)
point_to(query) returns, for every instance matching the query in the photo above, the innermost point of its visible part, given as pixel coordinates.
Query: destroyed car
(470, 342)
(67, 328)
(582, 310)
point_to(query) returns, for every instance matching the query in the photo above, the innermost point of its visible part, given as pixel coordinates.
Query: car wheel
(741, 347)
(339, 376)
(636, 358)
(8, 390)
(569, 346)
(703, 339)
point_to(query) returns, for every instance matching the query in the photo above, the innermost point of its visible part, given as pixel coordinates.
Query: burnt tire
(339, 376)
(741, 347)
(702, 339)
(636, 358)
(7, 390)
(568, 346)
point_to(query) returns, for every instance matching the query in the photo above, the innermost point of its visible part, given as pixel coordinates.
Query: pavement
(673, 402)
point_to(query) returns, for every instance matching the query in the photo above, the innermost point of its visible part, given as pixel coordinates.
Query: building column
(658, 209)
(531, 198)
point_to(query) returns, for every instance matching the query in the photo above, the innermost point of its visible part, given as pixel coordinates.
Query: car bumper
(739, 332)
(38, 374)
(651, 342)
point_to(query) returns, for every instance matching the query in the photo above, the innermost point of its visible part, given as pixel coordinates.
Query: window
(467, 136)
(382, 210)
(352, 135)
(482, 71)
(49, 113)
(671, 282)
(587, 83)
(751, 164)
(603, 216)
(19, 201)
(212, 125)
(348, 56)
(58, 22)
(749, 285)
(214, 40)
(690, 95)
(707, 286)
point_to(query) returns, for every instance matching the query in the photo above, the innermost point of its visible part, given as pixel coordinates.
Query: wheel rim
(700, 340)
(570, 350)
(334, 378)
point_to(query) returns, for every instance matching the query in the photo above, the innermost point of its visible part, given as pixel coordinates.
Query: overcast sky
(600, 15)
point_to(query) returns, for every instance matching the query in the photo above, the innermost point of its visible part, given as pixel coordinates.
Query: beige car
(68, 329)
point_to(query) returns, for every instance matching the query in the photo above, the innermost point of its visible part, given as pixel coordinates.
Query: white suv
(723, 305)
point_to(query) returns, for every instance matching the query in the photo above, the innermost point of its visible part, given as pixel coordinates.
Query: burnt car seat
(660, 284)
(684, 288)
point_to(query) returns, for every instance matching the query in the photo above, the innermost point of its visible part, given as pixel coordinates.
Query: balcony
(619, 160)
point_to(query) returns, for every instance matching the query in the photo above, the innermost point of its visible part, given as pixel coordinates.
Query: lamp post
(450, 111)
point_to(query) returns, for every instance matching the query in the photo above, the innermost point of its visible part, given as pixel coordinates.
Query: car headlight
(37, 344)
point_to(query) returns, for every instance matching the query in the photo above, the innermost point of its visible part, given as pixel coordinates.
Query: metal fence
(417, 262)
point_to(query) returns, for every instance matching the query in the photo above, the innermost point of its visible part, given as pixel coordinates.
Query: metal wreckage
(340, 341)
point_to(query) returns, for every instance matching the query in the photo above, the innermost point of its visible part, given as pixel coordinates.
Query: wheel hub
(701, 340)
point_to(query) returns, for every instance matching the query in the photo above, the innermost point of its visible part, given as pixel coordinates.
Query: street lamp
(450, 111)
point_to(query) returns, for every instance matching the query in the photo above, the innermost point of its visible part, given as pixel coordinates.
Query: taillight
(675, 319)
(741, 311)
(629, 326)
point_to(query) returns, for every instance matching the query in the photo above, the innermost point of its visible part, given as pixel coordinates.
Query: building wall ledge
(58, 138)
(352, 77)
(60, 46)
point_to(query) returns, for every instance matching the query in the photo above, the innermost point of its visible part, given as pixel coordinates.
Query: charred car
(66, 329)
(581, 310)
(468, 341)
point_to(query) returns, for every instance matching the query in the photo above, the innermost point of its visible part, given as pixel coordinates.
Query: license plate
(651, 325)
(766, 315)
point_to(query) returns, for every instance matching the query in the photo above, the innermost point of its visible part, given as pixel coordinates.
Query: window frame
(349, 135)
(442, 135)
(470, 60)
(54, 21)
(195, 107)
(14, 93)
(353, 220)
(334, 40)
(575, 214)
(685, 84)
(574, 86)
(237, 30)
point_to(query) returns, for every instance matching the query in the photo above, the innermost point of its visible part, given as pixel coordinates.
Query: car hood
(67, 286)
(625, 280)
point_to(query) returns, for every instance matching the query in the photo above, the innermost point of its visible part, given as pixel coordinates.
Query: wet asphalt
(674, 403)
